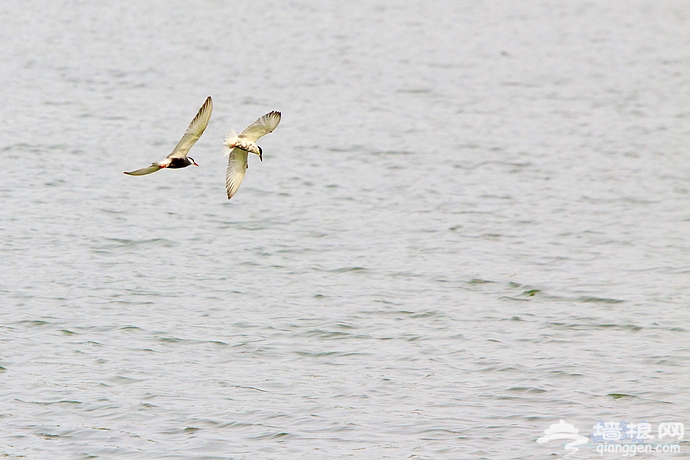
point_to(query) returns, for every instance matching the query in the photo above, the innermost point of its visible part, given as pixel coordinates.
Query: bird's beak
(195, 163)
(261, 156)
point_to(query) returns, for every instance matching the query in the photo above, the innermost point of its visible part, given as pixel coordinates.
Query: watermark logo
(562, 430)
(627, 439)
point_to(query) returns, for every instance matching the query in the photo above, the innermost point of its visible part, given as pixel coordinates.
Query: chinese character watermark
(672, 430)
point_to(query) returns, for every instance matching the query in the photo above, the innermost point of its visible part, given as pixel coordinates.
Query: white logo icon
(562, 430)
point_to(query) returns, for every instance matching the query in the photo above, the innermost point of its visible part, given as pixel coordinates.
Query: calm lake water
(472, 222)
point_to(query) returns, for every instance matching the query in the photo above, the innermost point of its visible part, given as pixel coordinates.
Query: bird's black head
(261, 153)
(191, 161)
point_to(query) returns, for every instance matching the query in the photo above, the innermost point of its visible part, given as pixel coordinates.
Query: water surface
(472, 222)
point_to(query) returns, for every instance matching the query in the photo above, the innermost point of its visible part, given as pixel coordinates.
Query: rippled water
(471, 223)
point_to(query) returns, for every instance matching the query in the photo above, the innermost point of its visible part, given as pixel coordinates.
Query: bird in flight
(178, 158)
(237, 147)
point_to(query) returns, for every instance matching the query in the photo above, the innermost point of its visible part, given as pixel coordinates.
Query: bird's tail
(231, 136)
(230, 142)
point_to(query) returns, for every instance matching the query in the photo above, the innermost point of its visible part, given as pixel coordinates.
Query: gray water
(472, 222)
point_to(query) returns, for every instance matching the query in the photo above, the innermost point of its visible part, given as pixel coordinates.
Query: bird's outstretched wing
(144, 171)
(261, 127)
(194, 131)
(237, 166)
